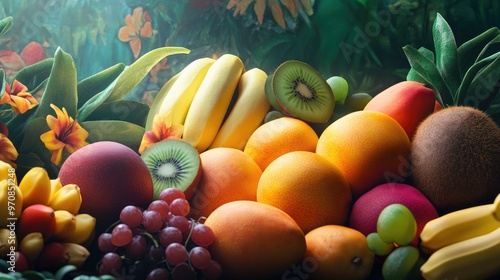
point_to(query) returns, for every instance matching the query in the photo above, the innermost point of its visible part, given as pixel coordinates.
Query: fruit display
(46, 229)
(158, 242)
(235, 173)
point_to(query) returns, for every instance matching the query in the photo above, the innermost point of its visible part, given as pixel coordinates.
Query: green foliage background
(361, 40)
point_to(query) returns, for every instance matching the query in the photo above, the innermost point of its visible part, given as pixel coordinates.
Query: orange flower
(65, 133)
(162, 130)
(18, 97)
(8, 152)
(138, 25)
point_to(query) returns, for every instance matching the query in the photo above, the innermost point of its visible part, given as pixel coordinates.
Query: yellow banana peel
(76, 253)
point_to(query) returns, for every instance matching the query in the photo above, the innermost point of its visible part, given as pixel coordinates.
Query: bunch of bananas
(41, 222)
(201, 97)
(464, 244)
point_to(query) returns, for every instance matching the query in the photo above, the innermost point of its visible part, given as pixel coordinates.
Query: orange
(228, 174)
(369, 147)
(254, 240)
(337, 252)
(278, 137)
(311, 189)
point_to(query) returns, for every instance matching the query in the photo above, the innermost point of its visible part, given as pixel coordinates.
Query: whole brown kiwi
(456, 158)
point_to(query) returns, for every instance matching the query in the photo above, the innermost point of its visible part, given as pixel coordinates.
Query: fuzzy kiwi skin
(456, 158)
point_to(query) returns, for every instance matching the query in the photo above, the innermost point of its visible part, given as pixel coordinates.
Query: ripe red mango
(408, 102)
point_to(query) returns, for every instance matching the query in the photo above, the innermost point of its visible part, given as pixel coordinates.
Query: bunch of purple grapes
(159, 242)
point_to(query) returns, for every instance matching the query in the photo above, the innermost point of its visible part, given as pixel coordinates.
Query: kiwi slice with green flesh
(268, 89)
(302, 92)
(173, 163)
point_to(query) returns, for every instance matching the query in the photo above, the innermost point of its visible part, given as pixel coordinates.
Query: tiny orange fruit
(337, 252)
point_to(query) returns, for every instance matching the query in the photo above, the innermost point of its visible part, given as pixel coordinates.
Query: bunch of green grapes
(396, 229)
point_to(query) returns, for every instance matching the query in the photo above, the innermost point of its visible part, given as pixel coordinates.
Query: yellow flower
(162, 130)
(65, 133)
(8, 152)
(18, 97)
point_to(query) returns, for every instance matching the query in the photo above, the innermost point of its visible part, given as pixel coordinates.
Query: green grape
(377, 245)
(400, 262)
(340, 87)
(397, 224)
(357, 101)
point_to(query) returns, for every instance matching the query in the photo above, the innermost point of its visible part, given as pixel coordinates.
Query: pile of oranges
(310, 182)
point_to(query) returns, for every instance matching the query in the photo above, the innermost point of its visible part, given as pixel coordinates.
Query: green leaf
(5, 25)
(429, 72)
(33, 144)
(128, 134)
(96, 83)
(2, 81)
(16, 126)
(34, 75)
(128, 79)
(414, 76)
(121, 110)
(446, 53)
(61, 86)
(483, 90)
(470, 51)
(471, 74)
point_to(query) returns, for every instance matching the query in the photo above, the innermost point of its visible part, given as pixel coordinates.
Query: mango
(254, 240)
(408, 102)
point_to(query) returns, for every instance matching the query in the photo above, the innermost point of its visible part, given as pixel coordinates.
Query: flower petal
(51, 142)
(17, 87)
(135, 46)
(147, 30)
(148, 139)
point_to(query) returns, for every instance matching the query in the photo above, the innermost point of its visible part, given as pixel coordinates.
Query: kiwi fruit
(268, 89)
(455, 158)
(173, 163)
(302, 92)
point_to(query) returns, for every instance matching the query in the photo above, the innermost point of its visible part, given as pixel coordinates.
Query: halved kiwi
(302, 92)
(268, 89)
(173, 163)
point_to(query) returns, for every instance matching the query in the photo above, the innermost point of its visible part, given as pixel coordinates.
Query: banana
(180, 96)
(248, 112)
(31, 246)
(11, 203)
(67, 198)
(76, 253)
(35, 186)
(211, 101)
(457, 226)
(160, 96)
(65, 224)
(496, 208)
(474, 258)
(84, 230)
